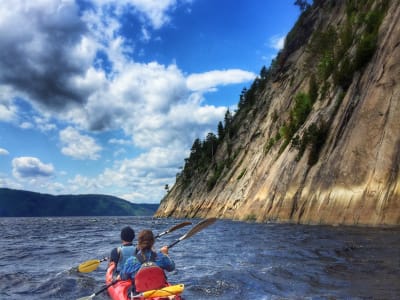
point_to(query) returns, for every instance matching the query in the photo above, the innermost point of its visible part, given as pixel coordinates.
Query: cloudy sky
(102, 96)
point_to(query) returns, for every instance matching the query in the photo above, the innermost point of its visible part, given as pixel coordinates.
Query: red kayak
(120, 289)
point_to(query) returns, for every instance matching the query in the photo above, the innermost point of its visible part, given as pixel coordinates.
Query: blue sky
(101, 96)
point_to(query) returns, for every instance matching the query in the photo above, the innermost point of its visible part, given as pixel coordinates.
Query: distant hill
(18, 203)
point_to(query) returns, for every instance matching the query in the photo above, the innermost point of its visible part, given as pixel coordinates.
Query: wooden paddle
(93, 264)
(195, 229)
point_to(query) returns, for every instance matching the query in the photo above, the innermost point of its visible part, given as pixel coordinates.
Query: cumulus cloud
(8, 111)
(31, 167)
(72, 66)
(77, 145)
(41, 54)
(54, 66)
(120, 141)
(3, 151)
(154, 11)
(277, 42)
(144, 175)
(210, 80)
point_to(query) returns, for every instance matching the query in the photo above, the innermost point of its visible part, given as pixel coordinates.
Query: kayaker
(120, 254)
(147, 267)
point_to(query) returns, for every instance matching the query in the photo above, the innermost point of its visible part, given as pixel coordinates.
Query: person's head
(127, 234)
(145, 239)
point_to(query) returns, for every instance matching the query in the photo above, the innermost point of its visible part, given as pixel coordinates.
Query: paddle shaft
(173, 228)
(99, 291)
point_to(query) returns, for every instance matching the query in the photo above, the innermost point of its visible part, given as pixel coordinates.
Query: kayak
(120, 289)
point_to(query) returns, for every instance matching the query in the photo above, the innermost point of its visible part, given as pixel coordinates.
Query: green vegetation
(251, 218)
(298, 115)
(242, 174)
(335, 54)
(15, 203)
(314, 137)
(332, 47)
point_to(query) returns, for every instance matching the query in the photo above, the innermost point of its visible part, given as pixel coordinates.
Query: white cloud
(158, 107)
(26, 125)
(146, 36)
(277, 42)
(144, 175)
(8, 111)
(120, 141)
(3, 151)
(31, 167)
(154, 12)
(210, 80)
(119, 152)
(77, 145)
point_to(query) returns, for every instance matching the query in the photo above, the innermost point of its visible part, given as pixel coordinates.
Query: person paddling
(120, 255)
(147, 267)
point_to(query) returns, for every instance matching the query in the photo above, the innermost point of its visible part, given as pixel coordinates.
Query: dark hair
(127, 234)
(145, 239)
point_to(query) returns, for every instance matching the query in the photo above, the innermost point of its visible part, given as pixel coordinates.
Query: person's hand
(164, 250)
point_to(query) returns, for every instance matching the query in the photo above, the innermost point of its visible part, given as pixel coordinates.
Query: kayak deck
(120, 290)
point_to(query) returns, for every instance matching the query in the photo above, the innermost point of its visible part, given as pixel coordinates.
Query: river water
(227, 260)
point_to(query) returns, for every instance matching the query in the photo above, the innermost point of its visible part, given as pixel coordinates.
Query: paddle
(98, 292)
(91, 265)
(173, 228)
(195, 229)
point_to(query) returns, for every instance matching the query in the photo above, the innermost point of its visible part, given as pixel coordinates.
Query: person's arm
(165, 261)
(114, 255)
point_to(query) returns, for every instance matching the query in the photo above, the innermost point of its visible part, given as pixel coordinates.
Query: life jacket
(150, 276)
(124, 252)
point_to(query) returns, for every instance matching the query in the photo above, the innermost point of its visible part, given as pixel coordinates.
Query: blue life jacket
(125, 251)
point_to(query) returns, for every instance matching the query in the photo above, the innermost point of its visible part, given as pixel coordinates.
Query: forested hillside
(16, 203)
(316, 137)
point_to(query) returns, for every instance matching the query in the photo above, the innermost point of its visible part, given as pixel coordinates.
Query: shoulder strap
(142, 258)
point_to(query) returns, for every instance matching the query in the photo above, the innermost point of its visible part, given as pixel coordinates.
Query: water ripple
(228, 260)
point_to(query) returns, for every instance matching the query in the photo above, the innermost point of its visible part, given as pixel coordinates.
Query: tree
(221, 131)
(166, 188)
(242, 100)
(210, 145)
(228, 119)
(228, 123)
(264, 73)
(302, 4)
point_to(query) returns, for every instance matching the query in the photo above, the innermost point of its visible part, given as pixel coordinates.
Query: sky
(107, 97)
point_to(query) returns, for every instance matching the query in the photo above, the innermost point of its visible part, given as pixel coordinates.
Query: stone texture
(356, 179)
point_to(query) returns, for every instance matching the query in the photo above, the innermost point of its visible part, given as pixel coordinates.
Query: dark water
(228, 260)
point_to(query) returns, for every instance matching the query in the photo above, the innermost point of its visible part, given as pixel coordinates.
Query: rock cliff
(316, 139)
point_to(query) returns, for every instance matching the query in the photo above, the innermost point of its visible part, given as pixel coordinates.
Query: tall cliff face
(316, 139)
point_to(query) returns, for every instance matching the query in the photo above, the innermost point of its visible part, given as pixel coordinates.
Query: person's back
(147, 267)
(121, 254)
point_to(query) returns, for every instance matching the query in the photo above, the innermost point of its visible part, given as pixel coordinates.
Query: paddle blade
(180, 225)
(173, 228)
(89, 266)
(87, 297)
(164, 292)
(198, 227)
